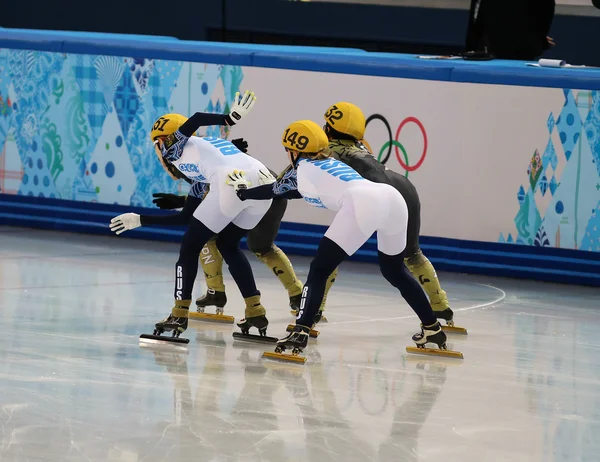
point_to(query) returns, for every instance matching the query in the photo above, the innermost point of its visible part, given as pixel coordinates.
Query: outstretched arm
(128, 221)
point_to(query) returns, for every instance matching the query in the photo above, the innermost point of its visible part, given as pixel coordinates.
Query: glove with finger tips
(241, 107)
(265, 177)
(125, 222)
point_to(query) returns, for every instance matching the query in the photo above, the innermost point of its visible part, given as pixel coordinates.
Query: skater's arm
(204, 119)
(266, 192)
(241, 106)
(193, 200)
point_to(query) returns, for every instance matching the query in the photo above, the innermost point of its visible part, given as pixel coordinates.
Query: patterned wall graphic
(559, 204)
(76, 126)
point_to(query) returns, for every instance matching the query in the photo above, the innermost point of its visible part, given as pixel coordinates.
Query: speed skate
(212, 298)
(432, 334)
(448, 316)
(313, 333)
(261, 323)
(219, 316)
(296, 341)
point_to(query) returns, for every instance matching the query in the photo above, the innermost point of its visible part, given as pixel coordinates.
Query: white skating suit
(210, 160)
(362, 207)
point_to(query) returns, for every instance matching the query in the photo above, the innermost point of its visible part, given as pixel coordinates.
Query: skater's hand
(125, 222)
(241, 144)
(168, 201)
(265, 177)
(241, 106)
(240, 184)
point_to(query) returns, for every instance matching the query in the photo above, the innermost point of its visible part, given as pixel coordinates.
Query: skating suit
(357, 156)
(209, 160)
(362, 207)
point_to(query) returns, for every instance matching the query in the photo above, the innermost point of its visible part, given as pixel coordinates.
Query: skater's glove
(265, 177)
(241, 106)
(241, 144)
(237, 179)
(168, 201)
(125, 222)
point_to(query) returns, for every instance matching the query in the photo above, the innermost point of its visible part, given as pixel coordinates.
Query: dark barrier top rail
(338, 60)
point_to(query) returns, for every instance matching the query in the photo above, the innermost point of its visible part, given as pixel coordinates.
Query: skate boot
(176, 323)
(212, 298)
(312, 333)
(296, 340)
(448, 316)
(432, 334)
(261, 323)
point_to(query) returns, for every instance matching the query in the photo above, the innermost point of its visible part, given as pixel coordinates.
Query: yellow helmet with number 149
(304, 136)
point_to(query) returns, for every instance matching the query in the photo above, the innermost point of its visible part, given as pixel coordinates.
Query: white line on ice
(468, 308)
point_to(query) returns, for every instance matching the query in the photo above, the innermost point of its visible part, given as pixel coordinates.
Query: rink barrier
(494, 259)
(320, 59)
(513, 260)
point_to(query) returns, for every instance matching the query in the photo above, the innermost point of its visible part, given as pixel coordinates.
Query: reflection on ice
(75, 384)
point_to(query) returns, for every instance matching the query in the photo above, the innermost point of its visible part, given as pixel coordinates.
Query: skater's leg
(422, 269)
(395, 272)
(330, 280)
(329, 256)
(186, 269)
(228, 243)
(261, 242)
(212, 265)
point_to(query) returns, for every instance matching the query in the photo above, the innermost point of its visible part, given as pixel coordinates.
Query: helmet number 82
(333, 114)
(299, 142)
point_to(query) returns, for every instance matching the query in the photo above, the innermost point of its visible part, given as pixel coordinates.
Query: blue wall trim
(348, 61)
(508, 260)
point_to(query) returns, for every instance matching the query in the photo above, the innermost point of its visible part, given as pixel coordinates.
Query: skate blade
(435, 352)
(253, 338)
(284, 357)
(454, 330)
(312, 334)
(211, 317)
(149, 339)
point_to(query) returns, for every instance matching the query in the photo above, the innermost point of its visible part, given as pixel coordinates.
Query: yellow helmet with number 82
(166, 125)
(346, 118)
(304, 136)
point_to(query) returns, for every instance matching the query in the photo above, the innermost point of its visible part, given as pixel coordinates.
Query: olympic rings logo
(393, 143)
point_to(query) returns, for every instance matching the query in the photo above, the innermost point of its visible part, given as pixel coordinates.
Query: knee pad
(264, 252)
(415, 261)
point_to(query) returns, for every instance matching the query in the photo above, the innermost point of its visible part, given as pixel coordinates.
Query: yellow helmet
(346, 118)
(166, 125)
(304, 136)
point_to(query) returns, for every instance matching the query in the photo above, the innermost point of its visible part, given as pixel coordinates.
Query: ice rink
(75, 385)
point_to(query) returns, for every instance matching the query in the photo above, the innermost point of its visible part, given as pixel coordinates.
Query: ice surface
(75, 385)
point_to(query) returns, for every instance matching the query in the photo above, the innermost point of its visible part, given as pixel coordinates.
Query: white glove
(265, 177)
(241, 106)
(125, 222)
(238, 180)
